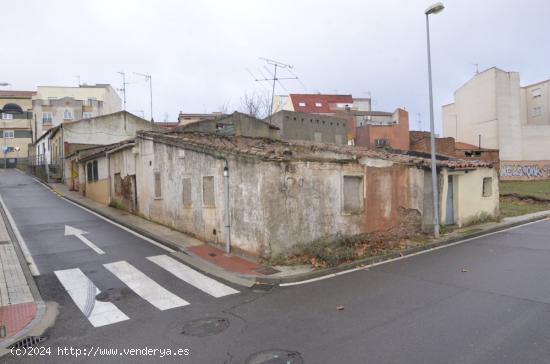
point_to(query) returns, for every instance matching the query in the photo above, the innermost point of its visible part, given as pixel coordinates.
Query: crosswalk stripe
(144, 286)
(83, 291)
(191, 276)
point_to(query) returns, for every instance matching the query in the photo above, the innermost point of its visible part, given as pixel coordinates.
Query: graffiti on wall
(525, 171)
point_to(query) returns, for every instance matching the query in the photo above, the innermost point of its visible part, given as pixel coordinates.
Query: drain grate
(205, 327)
(262, 287)
(27, 342)
(275, 356)
(266, 271)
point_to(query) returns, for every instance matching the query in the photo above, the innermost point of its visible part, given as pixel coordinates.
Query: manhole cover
(205, 327)
(27, 342)
(275, 356)
(111, 294)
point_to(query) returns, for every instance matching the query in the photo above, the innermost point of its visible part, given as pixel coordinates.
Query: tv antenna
(123, 89)
(274, 79)
(477, 67)
(148, 79)
(78, 78)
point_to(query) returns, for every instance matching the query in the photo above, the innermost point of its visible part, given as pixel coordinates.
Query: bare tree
(256, 104)
(225, 107)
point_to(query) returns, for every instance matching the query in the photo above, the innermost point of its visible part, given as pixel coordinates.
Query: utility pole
(148, 79)
(276, 65)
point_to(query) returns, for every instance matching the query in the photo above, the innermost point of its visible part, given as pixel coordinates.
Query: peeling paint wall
(275, 205)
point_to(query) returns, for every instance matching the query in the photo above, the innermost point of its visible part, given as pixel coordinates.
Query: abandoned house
(281, 193)
(236, 124)
(70, 136)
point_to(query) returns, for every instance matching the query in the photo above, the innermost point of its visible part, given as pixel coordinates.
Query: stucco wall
(492, 104)
(525, 170)
(304, 126)
(275, 205)
(98, 191)
(469, 202)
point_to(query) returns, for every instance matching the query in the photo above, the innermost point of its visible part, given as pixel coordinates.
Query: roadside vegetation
(337, 249)
(523, 197)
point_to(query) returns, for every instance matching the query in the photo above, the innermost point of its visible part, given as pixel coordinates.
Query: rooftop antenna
(477, 67)
(275, 64)
(123, 89)
(148, 79)
(78, 78)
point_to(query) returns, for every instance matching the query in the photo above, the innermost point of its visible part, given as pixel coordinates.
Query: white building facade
(493, 111)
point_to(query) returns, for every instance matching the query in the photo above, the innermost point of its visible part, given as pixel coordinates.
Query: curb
(365, 262)
(37, 299)
(249, 281)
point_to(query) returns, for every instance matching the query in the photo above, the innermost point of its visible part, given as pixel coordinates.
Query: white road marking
(83, 292)
(405, 256)
(28, 257)
(191, 276)
(144, 286)
(69, 230)
(156, 243)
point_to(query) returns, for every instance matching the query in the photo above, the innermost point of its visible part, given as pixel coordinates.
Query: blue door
(449, 215)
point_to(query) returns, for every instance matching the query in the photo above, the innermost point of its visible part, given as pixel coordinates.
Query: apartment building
(53, 105)
(15, 125)
(493, 111)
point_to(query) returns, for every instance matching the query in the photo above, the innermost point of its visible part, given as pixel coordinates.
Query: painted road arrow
(69, 230)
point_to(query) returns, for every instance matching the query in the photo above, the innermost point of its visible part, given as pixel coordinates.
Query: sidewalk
(17, 304)
(240, 271)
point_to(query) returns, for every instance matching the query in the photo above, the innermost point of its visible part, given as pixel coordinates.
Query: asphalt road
(484, 301)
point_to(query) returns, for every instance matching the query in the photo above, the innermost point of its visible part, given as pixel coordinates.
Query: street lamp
(434, 9)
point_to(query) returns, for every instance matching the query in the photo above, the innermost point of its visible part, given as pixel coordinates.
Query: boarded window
(89, 173)
(487, 187)
(158, 188)
(353, 194)
(118, 184)
(208, 191)
(94, 169)
(186, 193)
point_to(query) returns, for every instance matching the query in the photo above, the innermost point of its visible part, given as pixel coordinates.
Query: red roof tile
(310, 101)
(10, 93)
(298, 150)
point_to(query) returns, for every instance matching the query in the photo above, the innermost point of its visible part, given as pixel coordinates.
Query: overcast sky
(198, 52)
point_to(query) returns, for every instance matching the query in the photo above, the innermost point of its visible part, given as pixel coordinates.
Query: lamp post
(434, 9)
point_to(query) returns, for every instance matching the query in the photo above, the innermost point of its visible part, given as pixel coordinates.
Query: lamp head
(435, 8)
